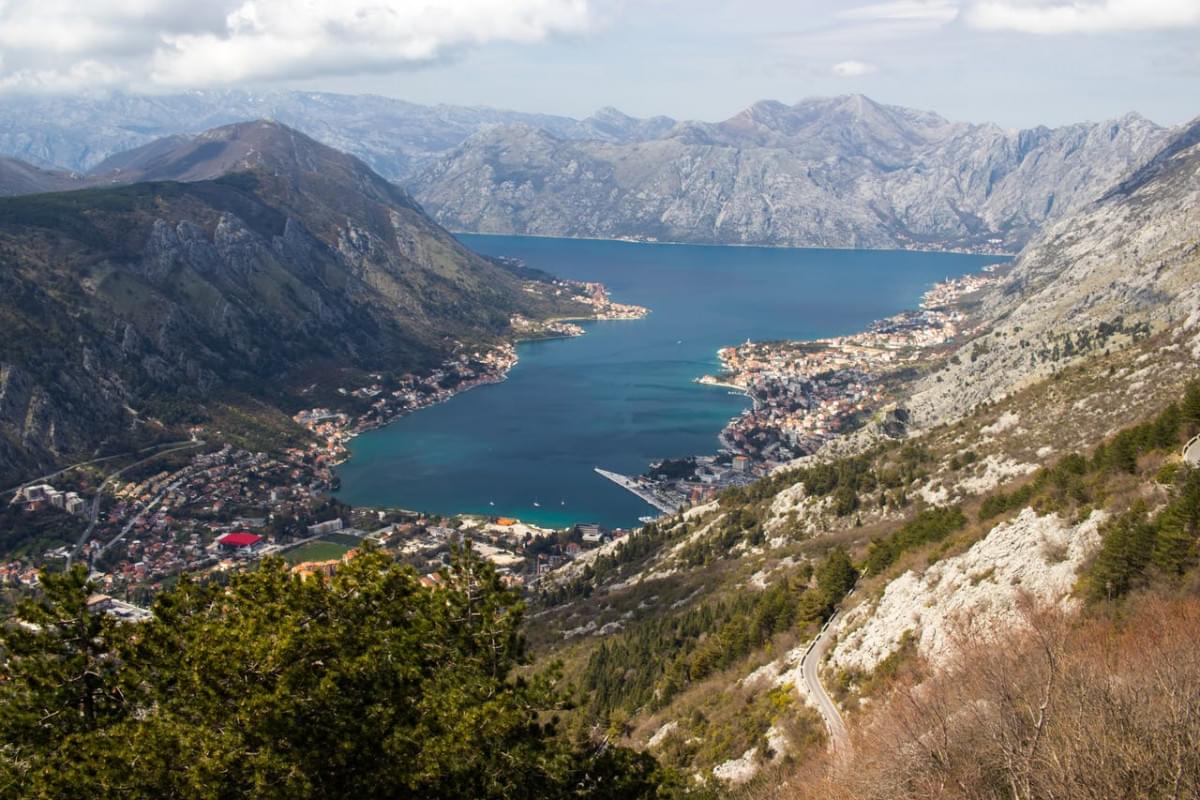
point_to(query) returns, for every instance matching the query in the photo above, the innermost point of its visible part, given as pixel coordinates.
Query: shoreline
(874, 353)
(806, 393)
(718, 384)
(357, 427)
(997, 254)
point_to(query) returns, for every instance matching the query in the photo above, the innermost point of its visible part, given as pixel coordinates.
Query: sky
(1015, 62)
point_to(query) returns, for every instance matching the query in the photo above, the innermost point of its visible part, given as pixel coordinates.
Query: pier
(641, 491)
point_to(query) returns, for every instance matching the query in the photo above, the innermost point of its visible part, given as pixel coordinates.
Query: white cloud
(1083, 16)
(89, 73)
(66, 44)
(907, 11)
(852, 69)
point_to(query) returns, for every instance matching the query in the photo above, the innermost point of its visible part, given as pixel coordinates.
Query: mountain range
(249, 259)
(76, 133)
(1133, 256)
(830, 172)
(838, 172)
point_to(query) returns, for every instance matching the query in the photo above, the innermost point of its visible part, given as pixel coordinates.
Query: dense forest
(366, 685)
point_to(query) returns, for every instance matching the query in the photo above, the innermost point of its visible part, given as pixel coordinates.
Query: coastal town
(203, 508)
(806, 392)
(208, 508)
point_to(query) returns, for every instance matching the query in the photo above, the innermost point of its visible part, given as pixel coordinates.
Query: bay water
(623, 395)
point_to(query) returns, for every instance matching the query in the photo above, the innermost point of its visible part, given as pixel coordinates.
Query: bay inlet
(624, 394)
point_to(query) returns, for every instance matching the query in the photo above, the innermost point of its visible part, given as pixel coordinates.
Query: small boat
(491, 502)
(536, 504)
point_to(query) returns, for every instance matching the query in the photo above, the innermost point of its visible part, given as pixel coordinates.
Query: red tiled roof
(240, 539)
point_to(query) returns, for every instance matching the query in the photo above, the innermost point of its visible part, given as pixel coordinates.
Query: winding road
(809, 668)
(44, 478)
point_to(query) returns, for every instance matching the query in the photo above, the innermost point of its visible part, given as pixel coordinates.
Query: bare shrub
(1103, 708)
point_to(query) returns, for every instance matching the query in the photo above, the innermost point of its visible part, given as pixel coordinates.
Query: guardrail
(1193, 442)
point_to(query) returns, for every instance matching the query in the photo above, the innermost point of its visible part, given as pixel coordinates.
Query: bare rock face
(979, 593)
(1125, 265)
(840, 172)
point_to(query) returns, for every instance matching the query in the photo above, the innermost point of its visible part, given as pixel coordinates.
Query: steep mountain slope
(393, 136)
(689, 638)
(17, 177)
(1047, 480)
(841, 172)
(280, 264)
(1131, 258)
(844, 171)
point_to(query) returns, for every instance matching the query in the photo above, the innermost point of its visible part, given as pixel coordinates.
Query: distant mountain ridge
(249, 260)
(393, 136)
(832, 172)
(18, 177)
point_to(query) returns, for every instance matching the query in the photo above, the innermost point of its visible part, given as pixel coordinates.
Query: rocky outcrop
(1029, 562)
(840, 172)
(1124, 265)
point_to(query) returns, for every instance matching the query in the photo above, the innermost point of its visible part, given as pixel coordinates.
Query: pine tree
(1191, 404)
(1178, 526)
(366, 685)
(60, 679)
(1125, 551)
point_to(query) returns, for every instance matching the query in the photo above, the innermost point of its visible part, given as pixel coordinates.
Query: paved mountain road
(809, 668)
(1191, 452)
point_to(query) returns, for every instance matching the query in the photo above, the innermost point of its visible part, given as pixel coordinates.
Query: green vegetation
(25, 535)
(734, 720)
(847, 480)
(320, 550)
(930, 525)
(1079, 480)
(657, 658)
(1084, 341)
(366, 685)
(632, 550)
(1137, 546)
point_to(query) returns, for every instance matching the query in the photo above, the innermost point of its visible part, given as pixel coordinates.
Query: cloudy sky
(1016, 62)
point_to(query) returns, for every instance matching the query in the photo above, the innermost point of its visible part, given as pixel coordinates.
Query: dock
(632, 485)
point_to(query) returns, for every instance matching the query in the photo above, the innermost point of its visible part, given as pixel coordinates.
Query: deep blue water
(623, 395)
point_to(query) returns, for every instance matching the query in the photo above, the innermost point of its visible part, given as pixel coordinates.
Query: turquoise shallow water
(623, 395)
